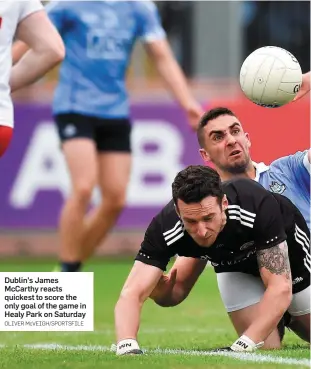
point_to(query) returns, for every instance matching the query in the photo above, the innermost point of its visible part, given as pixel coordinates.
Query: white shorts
(240, 290)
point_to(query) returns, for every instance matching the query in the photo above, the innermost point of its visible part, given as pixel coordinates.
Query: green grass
(200, 323)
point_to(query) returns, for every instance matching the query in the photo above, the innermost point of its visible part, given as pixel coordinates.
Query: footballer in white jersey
(25, 20)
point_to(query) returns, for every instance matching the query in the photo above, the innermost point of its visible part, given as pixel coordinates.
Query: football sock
(71, 267)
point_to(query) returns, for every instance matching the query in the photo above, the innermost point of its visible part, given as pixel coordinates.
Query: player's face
(204, 220)
(226, 145)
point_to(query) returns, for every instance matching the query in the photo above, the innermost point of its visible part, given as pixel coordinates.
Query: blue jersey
(99, 37)
(290, 177)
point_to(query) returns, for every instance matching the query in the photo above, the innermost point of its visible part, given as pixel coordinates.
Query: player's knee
(119, 203)
(83, 191)
(115, 201)
(285, 292)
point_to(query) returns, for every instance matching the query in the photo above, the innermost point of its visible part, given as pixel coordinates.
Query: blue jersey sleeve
(149, 23)
(290, 177)
(56, 11)
(295, 163)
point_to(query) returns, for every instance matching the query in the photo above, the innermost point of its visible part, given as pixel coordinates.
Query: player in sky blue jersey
(91, 109)
(226, 145)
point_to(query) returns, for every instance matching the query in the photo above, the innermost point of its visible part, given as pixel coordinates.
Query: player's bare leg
(241, 320)
(114, 175)
(81, 159)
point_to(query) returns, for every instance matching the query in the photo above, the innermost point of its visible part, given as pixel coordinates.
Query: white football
(270, 76)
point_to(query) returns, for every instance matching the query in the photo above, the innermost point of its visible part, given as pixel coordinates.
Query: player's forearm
(272, 307)
(175, 80)
(33, 66)
(169, 297)
(172, 294)
(127, 317)
(174, 287)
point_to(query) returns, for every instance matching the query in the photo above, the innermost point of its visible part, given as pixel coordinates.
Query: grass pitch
(175, 338)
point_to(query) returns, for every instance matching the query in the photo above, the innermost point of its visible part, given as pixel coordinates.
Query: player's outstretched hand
(164, 287)
(305, 86)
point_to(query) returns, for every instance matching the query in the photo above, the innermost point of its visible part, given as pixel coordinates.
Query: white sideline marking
(165, 330)
(257, 358)
(109, 331)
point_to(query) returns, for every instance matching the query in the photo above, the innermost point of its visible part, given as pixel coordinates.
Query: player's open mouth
(235, 152)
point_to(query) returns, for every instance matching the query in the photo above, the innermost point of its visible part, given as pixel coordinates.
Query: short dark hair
(208, 116)
(194, 183)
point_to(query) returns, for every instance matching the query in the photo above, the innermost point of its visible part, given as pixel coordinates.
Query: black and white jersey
(256, 219)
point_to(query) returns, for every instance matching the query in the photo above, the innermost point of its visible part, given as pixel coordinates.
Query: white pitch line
(192, 330)
(165, 330)
(253, 357)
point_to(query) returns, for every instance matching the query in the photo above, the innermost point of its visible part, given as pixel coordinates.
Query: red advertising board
(273, 132)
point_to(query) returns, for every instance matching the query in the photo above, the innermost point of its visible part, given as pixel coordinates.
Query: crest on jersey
(70, 130)
(277, 188)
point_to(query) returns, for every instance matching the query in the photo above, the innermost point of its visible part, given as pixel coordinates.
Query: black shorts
(108, 134)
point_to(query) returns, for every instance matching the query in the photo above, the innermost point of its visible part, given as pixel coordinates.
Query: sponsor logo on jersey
(277, 188)
(205, 257)
(236, 260)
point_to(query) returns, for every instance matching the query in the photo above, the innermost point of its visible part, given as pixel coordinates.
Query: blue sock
(71, 267)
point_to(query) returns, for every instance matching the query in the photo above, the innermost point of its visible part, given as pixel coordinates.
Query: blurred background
(210, 40)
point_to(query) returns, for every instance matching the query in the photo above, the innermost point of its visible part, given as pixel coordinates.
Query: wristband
(128, 346)
(245, 344)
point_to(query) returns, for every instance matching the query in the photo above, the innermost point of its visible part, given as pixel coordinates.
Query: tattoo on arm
(275, 260)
